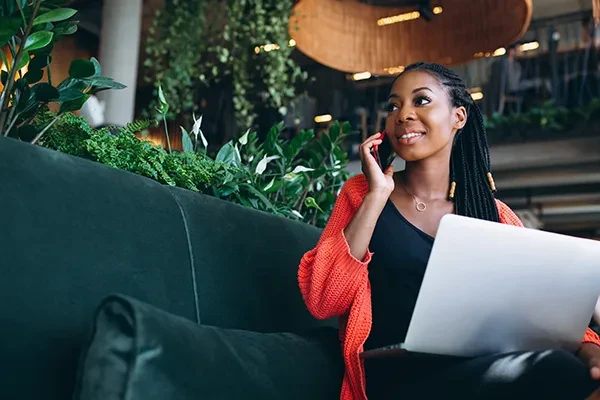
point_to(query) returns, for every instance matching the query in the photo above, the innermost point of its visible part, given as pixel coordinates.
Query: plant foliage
(195, 44)
(28, 31)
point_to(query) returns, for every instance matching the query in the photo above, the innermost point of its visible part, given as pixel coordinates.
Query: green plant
(195, 44)
(28, 30)
(121, 148)
(543, 121)
(297, 178)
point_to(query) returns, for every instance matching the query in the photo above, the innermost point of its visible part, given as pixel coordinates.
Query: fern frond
(137, 126)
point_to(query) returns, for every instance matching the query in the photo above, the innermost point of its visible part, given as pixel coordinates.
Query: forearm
(359, 231)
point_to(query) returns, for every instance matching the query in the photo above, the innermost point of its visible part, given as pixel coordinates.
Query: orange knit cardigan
(334, 283)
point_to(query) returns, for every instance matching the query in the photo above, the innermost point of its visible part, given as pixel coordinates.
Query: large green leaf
(97, 66)
(24, 94)
(46, 50)
(39, 62)
(73, 105)
(186, 141)
(229, 155)
(334, 131)
(60, 14)
(69, 94)
(44, 92)
(81, 68)
(34, 75)
(102, 82)
(272, 145)
(259, 195)
(65, 28)
(23, 60)
(38, 40)
(72, 83)
(9, 26)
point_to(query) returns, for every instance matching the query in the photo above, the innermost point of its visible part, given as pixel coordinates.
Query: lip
(412, 140)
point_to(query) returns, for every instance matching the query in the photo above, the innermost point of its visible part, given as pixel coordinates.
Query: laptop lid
(492, 287)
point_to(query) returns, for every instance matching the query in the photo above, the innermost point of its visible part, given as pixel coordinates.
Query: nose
(406, 113)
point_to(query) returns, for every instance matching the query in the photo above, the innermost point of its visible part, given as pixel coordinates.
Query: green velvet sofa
(72, 232)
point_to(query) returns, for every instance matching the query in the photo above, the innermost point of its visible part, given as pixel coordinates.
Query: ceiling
(551, 8)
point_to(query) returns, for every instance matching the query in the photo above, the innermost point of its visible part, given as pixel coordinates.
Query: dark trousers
(551, 374)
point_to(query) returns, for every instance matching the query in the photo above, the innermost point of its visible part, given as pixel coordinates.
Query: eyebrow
(394, 95)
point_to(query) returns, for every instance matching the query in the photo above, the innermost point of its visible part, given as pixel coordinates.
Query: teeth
(411, 135)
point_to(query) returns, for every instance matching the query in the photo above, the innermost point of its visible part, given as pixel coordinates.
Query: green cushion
(139, 352)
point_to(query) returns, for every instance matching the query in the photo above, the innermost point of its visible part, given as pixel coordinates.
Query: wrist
(378, 195)
(588, 351)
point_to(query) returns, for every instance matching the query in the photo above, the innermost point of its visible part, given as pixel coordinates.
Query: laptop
(496, 288)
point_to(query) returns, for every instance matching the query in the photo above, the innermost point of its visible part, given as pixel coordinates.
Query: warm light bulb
(499, 52)
(398, 18)
(394, 70)
(529, 46)
(361, 76)
(477, 95)
(323, 118)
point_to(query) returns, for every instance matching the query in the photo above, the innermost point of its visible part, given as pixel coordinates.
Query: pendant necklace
(419, 205)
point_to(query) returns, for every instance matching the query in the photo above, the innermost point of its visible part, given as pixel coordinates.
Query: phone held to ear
(384, 153)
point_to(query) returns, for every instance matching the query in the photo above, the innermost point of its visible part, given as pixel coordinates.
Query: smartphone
(384, 153)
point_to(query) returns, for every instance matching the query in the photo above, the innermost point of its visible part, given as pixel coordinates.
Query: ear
(460, 118)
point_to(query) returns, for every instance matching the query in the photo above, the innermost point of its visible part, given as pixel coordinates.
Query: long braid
(470, 178)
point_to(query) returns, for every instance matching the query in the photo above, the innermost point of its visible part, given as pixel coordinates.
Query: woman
(369, 263)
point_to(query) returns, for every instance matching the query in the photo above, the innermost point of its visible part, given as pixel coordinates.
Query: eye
(422, 100)
(391, 108)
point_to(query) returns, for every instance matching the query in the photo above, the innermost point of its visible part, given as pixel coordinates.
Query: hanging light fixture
(378, 35)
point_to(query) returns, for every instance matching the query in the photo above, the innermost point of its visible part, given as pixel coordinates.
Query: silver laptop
(494, 288)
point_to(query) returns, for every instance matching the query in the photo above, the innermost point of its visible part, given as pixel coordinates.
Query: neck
(428, 179)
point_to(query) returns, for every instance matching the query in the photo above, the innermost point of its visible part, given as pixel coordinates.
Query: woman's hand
(379, 182)
(589, 353)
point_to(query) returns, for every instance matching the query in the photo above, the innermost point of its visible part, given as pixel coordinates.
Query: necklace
(419, 205)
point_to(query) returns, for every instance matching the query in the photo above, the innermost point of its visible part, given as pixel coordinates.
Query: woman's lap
(548, 374)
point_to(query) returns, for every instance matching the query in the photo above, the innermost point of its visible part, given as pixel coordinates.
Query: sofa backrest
(74, 231)
(245, 264)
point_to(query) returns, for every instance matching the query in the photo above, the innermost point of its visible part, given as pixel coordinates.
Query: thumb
(595, 371)
(389, 171)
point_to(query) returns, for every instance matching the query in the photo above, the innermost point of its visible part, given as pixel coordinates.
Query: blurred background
(532, 66)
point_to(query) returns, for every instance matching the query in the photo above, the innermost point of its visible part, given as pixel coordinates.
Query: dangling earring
(491, 181)
(452, 190)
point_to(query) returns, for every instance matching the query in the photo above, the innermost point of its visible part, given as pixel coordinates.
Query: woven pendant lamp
(358, 36)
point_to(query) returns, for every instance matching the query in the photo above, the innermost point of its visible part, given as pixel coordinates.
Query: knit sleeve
(329, 276)
(591, 337)
(507, 216)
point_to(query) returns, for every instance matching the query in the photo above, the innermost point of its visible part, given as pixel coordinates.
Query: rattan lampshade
(345, 34)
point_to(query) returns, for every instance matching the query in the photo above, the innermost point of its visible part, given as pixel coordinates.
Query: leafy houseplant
(194, 45)
(544, 122)
(28, 31)
(296, 178)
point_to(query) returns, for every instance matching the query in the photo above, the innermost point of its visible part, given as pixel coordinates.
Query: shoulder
(356, 186)
(507, 215)
(354, 189)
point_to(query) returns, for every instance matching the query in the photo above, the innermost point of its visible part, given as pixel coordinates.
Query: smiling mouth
(411, 135)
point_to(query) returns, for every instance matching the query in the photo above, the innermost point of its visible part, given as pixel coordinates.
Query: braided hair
(471, 184)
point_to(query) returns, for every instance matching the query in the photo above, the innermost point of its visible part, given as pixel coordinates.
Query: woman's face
(422, 121)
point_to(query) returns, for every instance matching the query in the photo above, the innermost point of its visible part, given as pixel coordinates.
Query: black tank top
(401, 251)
